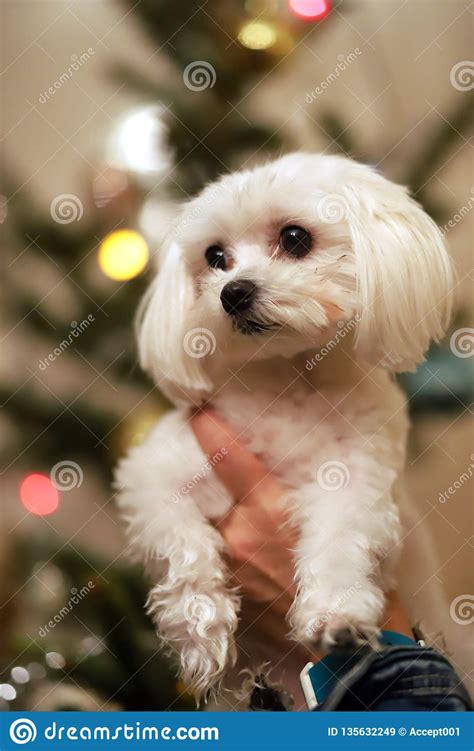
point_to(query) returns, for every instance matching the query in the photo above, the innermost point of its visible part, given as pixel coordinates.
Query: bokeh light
(20, 674)
(7, 692)
(55, 660)
(258, 35)
(139, 142)
(38, 494)
(123, 254)
(310, 9)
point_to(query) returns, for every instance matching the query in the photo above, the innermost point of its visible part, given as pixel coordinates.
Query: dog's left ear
(163, 327)
(404, 274)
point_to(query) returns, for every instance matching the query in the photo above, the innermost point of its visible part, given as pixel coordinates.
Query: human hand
(256, 529)
(258, 533)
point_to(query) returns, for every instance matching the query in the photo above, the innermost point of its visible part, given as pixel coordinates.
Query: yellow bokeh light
(123, 254)
(258, 35)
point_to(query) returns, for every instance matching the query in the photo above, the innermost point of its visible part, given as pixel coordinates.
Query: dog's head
(271, 261)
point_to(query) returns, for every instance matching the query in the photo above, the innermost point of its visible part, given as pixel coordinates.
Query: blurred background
(113, 111)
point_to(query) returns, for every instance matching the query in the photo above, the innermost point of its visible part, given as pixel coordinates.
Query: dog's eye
(215, 257)
(296, 241)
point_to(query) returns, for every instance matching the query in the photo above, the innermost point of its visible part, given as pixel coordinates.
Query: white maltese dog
(287, 297)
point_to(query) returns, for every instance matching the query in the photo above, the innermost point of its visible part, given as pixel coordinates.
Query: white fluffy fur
(378, 262)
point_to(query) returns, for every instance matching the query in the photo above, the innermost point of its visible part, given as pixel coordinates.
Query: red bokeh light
(38, 494)
(310, 9)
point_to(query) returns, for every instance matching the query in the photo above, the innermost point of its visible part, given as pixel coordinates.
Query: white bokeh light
(139, 142)
(7, 692)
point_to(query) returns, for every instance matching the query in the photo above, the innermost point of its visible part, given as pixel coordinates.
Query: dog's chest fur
(295, 424)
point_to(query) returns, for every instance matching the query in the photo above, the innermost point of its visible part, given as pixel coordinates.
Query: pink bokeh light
(310, 9)
(38, 494)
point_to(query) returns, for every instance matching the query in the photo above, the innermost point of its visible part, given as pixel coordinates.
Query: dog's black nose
(237, 297)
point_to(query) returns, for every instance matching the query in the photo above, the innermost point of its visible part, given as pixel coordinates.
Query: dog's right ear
(162, 324)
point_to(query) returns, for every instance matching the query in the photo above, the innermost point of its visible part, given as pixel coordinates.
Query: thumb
(238, 469)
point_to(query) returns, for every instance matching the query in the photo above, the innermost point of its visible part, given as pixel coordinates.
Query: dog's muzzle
(237, 297)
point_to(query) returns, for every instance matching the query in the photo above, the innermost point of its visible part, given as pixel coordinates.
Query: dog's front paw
(346, 620)
(342, 632)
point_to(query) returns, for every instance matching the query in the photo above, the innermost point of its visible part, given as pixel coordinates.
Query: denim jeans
(399, 678)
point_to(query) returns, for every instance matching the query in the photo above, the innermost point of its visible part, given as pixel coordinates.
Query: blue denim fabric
(401, 678)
